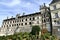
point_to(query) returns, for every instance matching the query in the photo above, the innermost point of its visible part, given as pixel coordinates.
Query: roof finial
(12, 16)
(7, 17)
(44, 5)
(23, 13)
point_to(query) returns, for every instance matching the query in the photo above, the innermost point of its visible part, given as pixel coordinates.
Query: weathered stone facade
(55, 13)
(22, 23)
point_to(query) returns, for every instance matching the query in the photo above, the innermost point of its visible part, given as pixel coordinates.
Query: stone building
(19, 23)
(43, 18)
(46, 20)
(24, 23)
(55, 14)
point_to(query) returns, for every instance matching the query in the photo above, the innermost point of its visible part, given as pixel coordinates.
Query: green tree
(35, 30)
(53, 37)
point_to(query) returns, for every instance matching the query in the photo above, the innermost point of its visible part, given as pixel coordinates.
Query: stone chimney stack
(12, 16)
(17, 15)
(7, 17)
(23, 13)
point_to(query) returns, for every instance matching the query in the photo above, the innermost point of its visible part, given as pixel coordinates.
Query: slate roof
(23, 16)
(54, 1)
(9, 19)
(29, 15)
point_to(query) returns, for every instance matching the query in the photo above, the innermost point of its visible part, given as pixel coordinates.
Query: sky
(12, 7)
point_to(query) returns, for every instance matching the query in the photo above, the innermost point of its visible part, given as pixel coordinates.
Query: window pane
(22, 24)
(33, 18)
(54, 6)
(25, 23)
(30, 23)
(26, 19)
(56, 15)
(30, 18)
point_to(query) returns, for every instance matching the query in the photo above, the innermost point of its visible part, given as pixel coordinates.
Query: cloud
(12, 7)
(11, 4)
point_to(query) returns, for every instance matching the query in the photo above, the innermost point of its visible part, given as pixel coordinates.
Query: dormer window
(56, 15)
(54, 7)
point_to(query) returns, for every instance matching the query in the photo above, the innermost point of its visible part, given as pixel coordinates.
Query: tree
(53, 37)
(35, 30)
(45, 36)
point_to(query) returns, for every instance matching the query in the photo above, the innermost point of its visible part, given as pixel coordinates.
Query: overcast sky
(12, 7)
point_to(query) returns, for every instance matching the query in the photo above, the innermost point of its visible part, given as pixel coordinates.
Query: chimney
(23, 13)
(44, 5)
(17, 15)
(7, 17)
(12, 16)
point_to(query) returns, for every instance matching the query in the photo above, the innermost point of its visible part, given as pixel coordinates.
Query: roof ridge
(54, 1)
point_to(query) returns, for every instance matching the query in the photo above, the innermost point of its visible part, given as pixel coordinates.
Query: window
(44, 20)
(47, 20)
(56, 15)
(22, 24)
(30, 23)
(33, 18)
(54, 6)
(10, 22)
(58, 22)
(14, 24)
(19, 24)
(22, 20)
(4, 26)
(17, 20)
(13, 21)
(26, 19)
(25, 23)
(30, 18)
(9, 25)
(7, 22)
(55, 21)
(37, 17)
